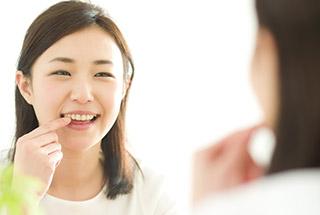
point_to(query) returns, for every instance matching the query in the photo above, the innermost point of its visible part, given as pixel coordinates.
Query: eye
(104, 74)
(61, 72)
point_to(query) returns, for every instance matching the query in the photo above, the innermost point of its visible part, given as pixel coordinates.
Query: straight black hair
(295, 26)
(56, 22)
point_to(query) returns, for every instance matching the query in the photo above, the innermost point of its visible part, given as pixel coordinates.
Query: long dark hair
(56, 22)
(295, 26)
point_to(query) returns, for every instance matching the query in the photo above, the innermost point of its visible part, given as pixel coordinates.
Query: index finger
(48, 127)
(241, 136)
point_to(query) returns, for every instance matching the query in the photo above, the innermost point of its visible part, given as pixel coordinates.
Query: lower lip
(80, 126)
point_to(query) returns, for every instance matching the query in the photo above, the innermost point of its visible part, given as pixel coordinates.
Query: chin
(78, 144)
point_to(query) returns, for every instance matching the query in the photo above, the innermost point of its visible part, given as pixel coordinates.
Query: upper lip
(80, 112)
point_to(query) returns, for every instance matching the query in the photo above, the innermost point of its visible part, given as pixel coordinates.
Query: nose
(82, 92)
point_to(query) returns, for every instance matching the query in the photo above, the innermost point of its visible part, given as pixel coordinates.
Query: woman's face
(264, 75)
(81, 74)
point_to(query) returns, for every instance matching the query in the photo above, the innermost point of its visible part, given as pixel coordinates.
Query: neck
(79, 175)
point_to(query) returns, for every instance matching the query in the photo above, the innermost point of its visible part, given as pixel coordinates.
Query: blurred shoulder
(289, 192)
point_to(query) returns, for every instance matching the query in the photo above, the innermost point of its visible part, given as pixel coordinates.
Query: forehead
(88, 44)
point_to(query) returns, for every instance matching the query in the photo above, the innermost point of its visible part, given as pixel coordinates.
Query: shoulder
(152, 187)
(149, 181)
(291, 192)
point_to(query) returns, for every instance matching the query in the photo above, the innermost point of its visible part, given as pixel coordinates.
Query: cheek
(259, 86)
(265, 87)
(47, 100)
(254, 76)
(110, 98)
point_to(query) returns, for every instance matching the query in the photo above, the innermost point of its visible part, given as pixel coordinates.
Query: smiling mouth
(81, 117)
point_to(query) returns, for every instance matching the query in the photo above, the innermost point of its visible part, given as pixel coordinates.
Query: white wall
(192, 82)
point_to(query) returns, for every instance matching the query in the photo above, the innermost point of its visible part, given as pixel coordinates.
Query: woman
(285, 75)
(74, 75)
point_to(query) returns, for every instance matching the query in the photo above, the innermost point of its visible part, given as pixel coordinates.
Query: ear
(124, 90)
(24, 85)
(126, 85)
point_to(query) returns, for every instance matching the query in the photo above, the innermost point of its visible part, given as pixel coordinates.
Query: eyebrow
(70, 60)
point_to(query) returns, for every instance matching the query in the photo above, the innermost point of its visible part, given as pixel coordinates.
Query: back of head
(295, 26)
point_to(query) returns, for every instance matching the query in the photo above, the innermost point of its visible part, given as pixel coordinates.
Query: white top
(292, 192)
(148, 197)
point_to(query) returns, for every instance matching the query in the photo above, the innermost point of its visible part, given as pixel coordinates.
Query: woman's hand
(38, 153)
(224, 165)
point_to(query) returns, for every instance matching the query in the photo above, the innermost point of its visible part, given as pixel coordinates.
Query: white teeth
(83, 117)
(80, 117)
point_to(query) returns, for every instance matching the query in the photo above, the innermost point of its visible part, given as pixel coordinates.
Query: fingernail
(67, 119)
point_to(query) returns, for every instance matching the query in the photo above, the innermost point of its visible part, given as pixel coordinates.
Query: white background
(192, 82)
